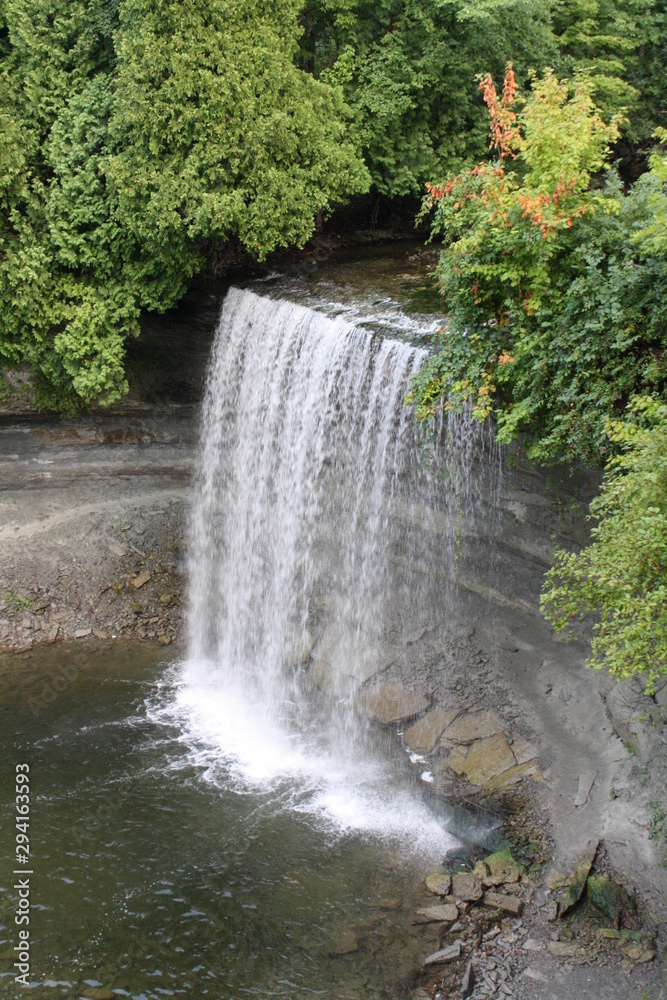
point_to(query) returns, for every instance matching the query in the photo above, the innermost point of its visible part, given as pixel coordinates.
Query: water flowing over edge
(308, 461)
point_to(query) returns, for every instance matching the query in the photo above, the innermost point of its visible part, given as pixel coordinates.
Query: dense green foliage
(555, 282)
(622, 574)
(556, 295)
(134, 134)
(408, 69)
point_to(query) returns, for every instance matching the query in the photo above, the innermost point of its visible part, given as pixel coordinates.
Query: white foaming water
(307, 465)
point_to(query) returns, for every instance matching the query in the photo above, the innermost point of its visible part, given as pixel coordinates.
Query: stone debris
(637, 952)
(81, 633)
(448, 954)
(141, 580)
(586, 781)
(446, 913)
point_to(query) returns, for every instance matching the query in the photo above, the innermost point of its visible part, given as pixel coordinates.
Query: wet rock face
(389, 702)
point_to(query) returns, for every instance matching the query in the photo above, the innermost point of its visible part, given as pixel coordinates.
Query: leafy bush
(622, 575)
(555, 290)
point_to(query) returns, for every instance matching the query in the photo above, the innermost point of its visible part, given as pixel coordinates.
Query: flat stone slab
(484, 760)
(446, 913)
(500, 901)
(445, 955)
(389, 702)
(563, 949)
(346, 659)
(513, 775)
(424, 735)
(523, 750)
(474, 726)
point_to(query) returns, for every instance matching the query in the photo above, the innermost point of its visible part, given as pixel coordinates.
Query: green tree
(556, 312)
(408, 69)
(134, 137)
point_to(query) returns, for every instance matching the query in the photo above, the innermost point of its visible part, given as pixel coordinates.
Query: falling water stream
(231, 823)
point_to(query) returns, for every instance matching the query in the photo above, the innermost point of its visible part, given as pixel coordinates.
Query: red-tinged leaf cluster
(534, 207)
(505, 134)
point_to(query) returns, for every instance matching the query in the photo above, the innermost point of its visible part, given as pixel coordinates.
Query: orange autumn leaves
(505, 134)
(559, 137)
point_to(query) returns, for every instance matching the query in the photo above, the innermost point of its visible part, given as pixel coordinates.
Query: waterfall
(309, 499)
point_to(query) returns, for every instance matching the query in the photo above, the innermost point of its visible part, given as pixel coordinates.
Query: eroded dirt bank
(91, 528)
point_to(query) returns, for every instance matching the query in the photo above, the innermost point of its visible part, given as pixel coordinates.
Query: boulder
(439, 883)
(605, 896)
(577, 882)
(345, 660)
(423, 736)
(344, 944)
(466, 887)
(501, 862)
(389, 702)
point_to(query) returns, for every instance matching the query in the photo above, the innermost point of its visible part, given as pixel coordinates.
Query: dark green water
(151, 880)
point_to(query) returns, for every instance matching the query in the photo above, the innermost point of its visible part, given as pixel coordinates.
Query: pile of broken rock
(498, 885)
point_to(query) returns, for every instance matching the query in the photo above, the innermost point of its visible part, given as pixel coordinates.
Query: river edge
(93, 520)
